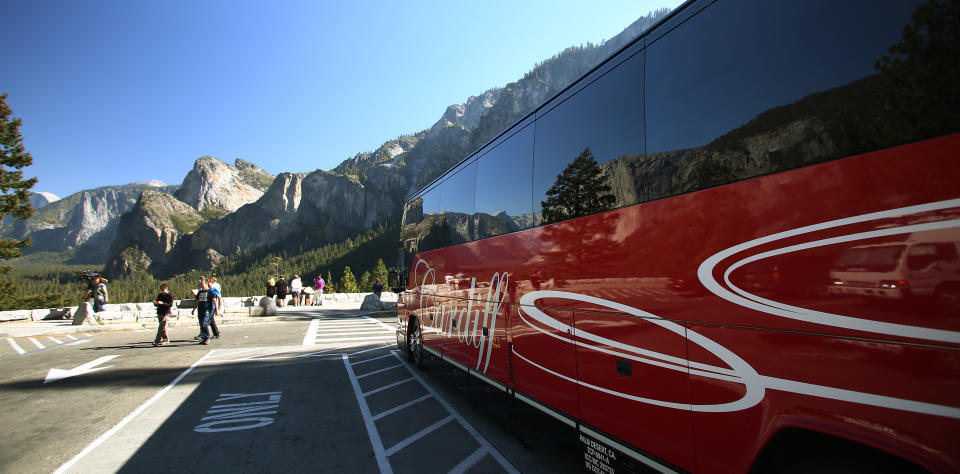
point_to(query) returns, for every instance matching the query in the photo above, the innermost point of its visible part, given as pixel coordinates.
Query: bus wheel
(414, 343)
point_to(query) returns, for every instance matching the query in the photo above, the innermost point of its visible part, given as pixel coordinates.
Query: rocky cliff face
(149, 232)
(297, 210)
(87, 218)
(213, 184)
(39, 199)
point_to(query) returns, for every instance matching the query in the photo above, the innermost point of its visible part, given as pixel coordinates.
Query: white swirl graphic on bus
(739, 371)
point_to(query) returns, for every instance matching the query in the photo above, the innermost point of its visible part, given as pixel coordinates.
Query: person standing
(203, 308)
(271, 288)
(378, 288)
(164, 303)
(318, 291)
(215, 292)
(100, 296)
(281, 291)
(296, 286)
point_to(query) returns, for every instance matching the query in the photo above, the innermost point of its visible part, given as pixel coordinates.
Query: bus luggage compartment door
(634, 383)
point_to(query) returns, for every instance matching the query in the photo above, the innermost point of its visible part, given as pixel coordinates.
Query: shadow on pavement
(292, 415)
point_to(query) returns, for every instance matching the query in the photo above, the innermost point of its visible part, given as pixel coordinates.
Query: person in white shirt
(296, 287)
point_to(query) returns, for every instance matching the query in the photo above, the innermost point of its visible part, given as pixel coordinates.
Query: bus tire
(414, 342)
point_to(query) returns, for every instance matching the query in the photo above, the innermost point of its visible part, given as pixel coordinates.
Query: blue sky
(113, 92)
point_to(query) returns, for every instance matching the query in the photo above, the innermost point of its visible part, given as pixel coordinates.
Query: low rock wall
(134, 312)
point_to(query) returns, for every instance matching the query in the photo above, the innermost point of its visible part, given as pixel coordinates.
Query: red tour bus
(680, 257)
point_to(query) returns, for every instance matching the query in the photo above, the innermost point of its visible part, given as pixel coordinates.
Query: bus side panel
(894, 397)
(544, 359)
(645, 397)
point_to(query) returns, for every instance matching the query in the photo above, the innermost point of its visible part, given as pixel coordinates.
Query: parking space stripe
(378, 371)
(470, 429)
(70, 337)
(15, 347)
(401, 407)
(36, 343)
(387, 387)
(467, 463)
(55, 340)
(372, 432)
(420, 434)
(364, 361)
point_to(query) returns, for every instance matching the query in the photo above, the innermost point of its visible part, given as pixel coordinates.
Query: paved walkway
(286, 313)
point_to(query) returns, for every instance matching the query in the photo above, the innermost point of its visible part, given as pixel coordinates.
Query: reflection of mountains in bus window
(835, 96)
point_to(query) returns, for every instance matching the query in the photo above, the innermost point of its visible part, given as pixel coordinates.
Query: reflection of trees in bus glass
(606, 117)
(580, 190)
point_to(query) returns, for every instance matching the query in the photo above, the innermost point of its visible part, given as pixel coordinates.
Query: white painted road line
(36, 343)
(401, 407)
(372, 432)
(71, 337)
(470, 460)
(378, 371)
(463, 422)
(420, 434)
(310, 338)
(15, 347)
(372, 338)
(386, 387)
(381, 324)
(369, 360)
(97, 442)
(354, 333)
(365, 327)
(55, 340)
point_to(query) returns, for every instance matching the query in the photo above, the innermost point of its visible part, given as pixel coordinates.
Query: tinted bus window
(456, 203)
(752, 87)
(574, 141)
(503, 186)
(421, 226)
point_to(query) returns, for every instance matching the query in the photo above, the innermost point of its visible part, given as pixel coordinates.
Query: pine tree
(380, 271)
(329, 285)
(14, 190)
(349, 282)
(366, 281)
(579, 191)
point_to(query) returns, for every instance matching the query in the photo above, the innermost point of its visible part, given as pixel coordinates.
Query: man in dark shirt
(204, 309)
(163, 303)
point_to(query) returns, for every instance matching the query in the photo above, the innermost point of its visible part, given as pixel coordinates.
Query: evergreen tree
(14, 191)
(579, 191)
(349, 282)
(366, 281)
(380, 271)
(329, 285)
